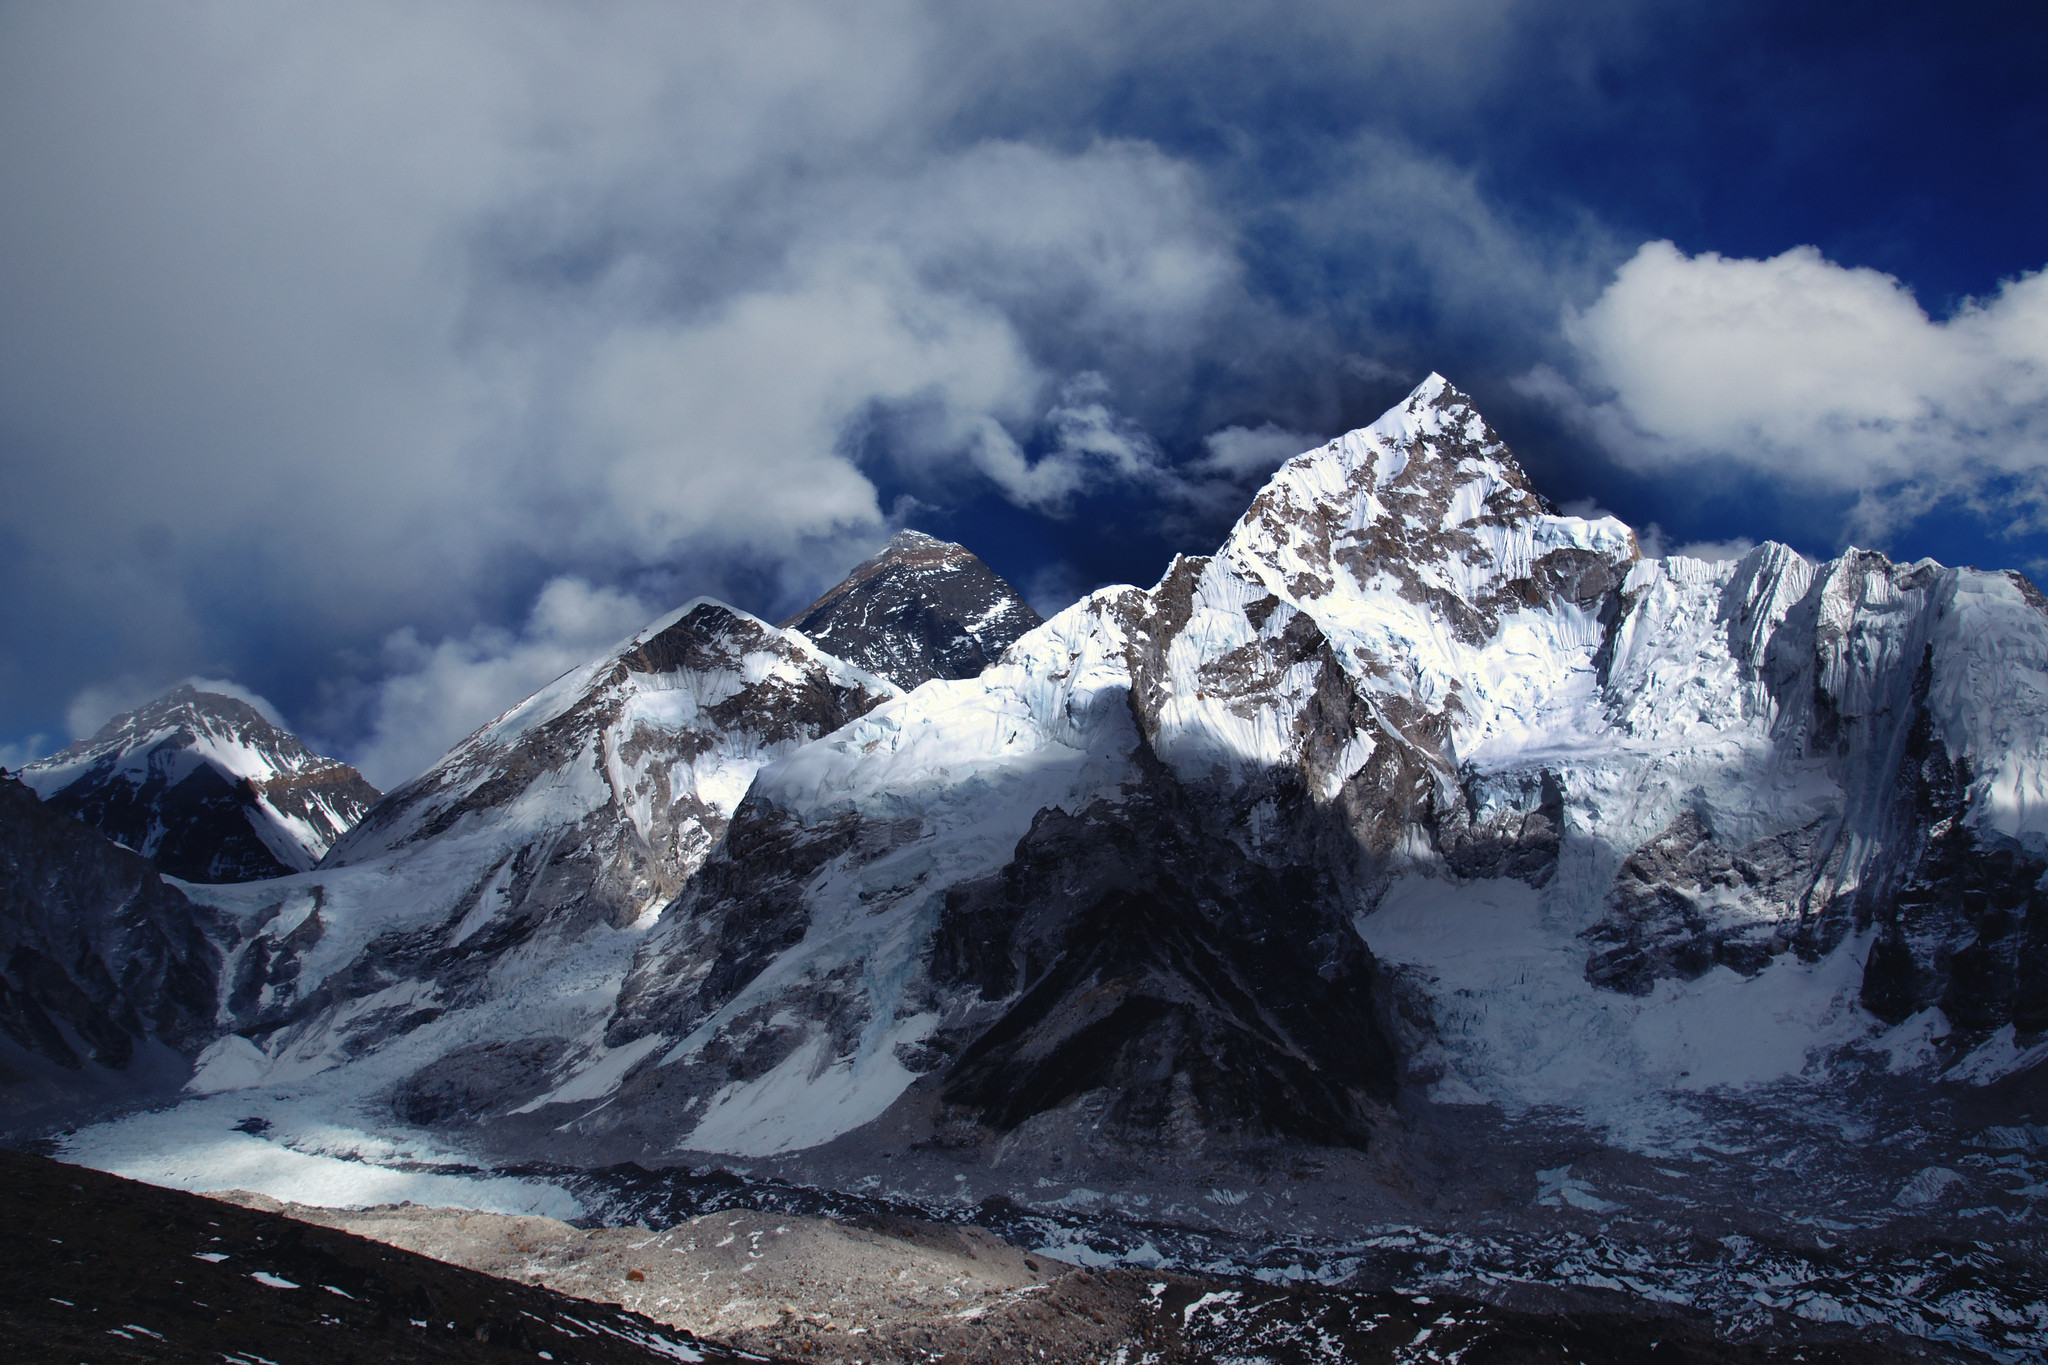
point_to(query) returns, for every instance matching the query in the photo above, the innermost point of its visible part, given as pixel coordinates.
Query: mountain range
(1420, 834)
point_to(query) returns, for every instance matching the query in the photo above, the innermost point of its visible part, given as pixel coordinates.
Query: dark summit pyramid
(206, 788)
(920, 609)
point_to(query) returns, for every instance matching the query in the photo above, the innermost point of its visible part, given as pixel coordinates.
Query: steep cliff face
(107, 971)
(920, 609)
(206, 788)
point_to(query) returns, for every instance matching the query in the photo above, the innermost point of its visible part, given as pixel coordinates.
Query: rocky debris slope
(484, 912)
(920, 609)
(206, 788)
(889, 1288)
(107, 971)
(105, 1269)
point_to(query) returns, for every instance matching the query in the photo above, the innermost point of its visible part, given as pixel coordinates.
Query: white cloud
(1252, 452)
(1815, 374)
(315, 318)
(435, 694)
(228, 688)
(1716, 551)
(18, 754)
(1655, 544)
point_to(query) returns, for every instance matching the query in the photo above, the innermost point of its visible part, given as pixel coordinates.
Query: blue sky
(386, 360)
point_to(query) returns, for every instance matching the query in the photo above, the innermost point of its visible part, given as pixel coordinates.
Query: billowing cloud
(322, 324)
(1818, 375)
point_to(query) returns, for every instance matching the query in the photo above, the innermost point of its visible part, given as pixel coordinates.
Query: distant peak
(918, 608)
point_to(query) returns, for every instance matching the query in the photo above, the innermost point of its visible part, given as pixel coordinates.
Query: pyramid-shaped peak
(1437, 432)
(916, 545)
(1427, 497)
(189, 708)
(919, 608)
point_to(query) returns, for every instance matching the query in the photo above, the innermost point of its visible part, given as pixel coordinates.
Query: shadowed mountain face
(1149, 964)
(206, 788)
(921, 609)
(107, 973)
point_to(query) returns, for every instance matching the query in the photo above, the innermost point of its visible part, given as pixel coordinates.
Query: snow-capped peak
(206, 786)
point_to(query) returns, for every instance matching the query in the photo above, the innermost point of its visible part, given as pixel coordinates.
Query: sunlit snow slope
(473, 929)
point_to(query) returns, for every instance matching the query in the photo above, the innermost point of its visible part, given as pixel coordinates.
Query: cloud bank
(341, 346)
(1810, 373)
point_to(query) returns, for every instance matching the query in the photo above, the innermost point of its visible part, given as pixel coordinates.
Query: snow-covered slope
(920, 609)
(207, 788)
(497, 898)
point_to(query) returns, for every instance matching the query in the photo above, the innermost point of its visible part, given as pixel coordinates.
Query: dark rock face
(102, 964)
(921, 609)
(206, 788)
(1962, 921)
(1684, 902)
(1150, 964)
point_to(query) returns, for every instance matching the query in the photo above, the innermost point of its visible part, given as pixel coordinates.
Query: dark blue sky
(385, 362)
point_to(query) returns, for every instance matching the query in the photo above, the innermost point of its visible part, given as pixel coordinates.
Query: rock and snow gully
(1422, 858)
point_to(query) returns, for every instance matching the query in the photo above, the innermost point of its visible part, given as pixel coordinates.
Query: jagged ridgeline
(1416, 786)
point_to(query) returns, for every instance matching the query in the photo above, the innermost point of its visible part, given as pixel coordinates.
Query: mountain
(1424, 858)
(206, 788)
(1412, 770)
(108, 973)
(919, 609)
(498, 897)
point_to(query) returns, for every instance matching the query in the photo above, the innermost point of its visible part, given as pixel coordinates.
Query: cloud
(1252, 452)
(1655, 544)
(318, 323)
(435, 694)
(228, 688)
(18, 754)
(1820, 376)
